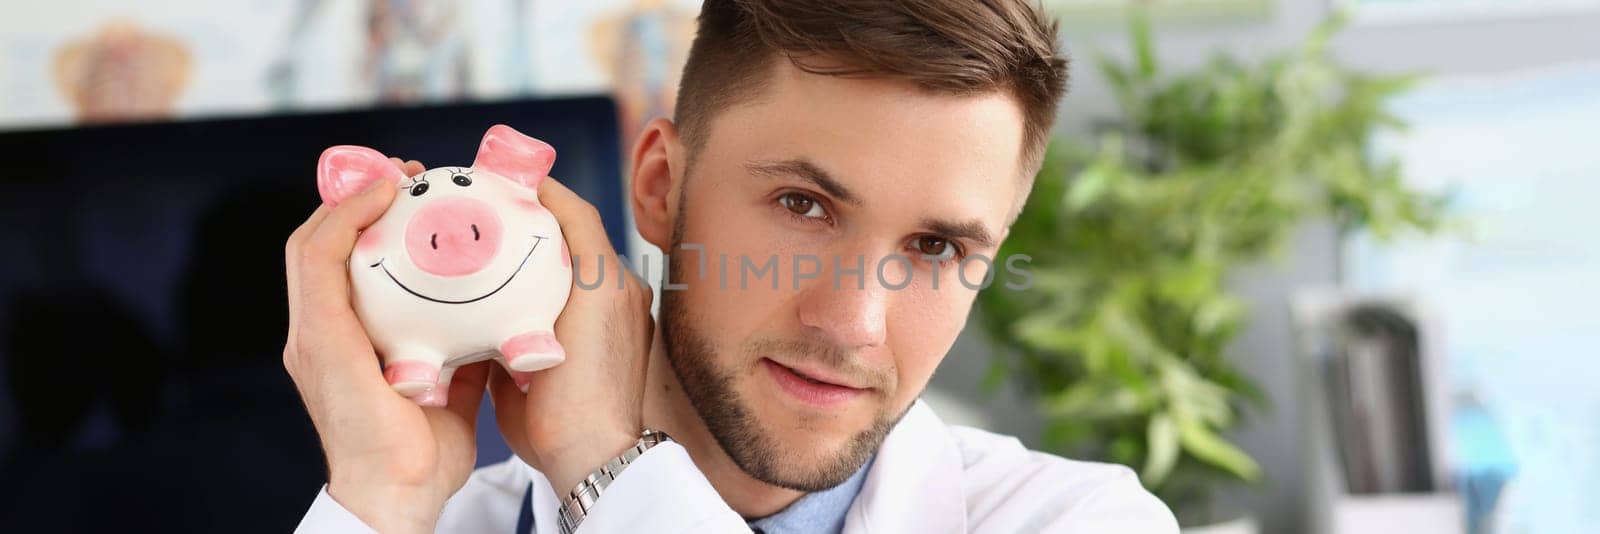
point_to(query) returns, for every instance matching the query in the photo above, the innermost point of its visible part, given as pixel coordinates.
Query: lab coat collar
(915, 484)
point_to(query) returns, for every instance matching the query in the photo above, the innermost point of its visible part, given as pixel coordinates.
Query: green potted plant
(1123, 340)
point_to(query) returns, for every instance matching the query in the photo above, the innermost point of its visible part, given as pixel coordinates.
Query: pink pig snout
(454, 236)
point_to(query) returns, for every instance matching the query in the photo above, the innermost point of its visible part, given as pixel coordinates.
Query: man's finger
(579, 220)
(292, 250)
(410, 168)
(510, 404)
(304, 231)
(455, 426)
(466, 391)
(322, 285)
(324, 275)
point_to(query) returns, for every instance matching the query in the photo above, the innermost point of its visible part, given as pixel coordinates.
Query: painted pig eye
(418, 189)
(462, 180)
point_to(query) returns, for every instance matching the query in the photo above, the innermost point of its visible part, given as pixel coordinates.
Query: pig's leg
(440, 394)
(412, 372)
(532, 350)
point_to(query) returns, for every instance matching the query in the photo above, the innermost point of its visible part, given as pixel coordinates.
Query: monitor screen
(143, 310)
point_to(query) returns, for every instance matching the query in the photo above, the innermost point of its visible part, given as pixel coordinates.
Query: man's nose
(849, 314)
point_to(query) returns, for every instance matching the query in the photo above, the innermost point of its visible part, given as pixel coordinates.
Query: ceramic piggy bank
(465, 266)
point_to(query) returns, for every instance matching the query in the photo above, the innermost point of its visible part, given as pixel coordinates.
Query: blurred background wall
(106, 61)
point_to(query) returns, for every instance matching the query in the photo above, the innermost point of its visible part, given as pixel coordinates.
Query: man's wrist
(586, 493)
(388, 507)
(571, 465)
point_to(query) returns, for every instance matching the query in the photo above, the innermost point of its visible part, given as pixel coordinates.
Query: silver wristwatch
(582, 498)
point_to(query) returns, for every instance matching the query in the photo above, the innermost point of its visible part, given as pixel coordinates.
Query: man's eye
(935, 247)
(802, 205)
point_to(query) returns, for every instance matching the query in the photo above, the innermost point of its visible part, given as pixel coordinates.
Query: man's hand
(581, 413)
(390, 462)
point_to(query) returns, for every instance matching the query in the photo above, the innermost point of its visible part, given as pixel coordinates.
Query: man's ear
(658, 166)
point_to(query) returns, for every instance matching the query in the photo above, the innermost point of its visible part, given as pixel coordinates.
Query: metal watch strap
(581, 499)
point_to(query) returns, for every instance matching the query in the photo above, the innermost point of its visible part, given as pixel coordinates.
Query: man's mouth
(536, 240)
(813, 386)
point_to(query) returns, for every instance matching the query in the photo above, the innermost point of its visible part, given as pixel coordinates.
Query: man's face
(830, 176)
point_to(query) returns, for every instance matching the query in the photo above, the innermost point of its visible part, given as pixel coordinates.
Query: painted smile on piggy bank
(465, 265)
(537, 239)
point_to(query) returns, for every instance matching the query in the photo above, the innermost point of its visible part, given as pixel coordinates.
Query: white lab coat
(928, 477)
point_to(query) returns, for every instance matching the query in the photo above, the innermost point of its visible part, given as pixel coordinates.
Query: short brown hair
(958, 47)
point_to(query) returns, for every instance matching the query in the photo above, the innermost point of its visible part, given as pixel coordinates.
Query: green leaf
(1163, 438)
(1088, 187)
(1192, 397)
(1093, 401)
(1317, 43)
(1216, 314)
(995, 377)
(1212, 449)
(1122, 85)
(1092, 182)
(1143, 46)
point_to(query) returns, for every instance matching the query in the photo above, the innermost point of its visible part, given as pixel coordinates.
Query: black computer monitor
(142, 308)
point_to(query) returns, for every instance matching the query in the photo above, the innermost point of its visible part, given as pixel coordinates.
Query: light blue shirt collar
(820, 511)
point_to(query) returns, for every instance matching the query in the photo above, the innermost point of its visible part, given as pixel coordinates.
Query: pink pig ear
(508, 153)
(345, 170)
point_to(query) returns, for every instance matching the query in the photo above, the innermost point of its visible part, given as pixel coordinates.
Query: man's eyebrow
(805, 170)
(970, 230)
